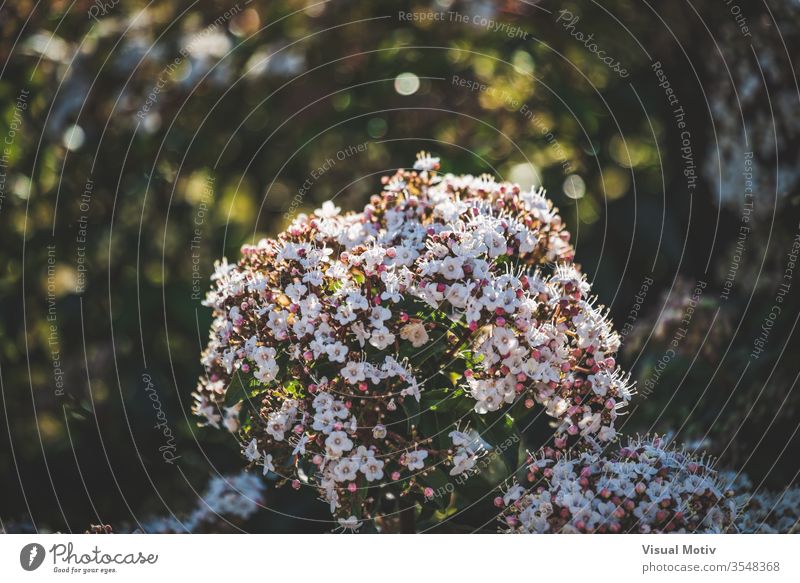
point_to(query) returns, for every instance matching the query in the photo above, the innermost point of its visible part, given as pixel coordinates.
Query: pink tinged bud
(564, 366)
(498, 501)
(619, 513)
(351, 487)
(403, 317)
(640, 488)
(391, 253)
(614, 528)
(553, 385)
(605, 493)
(536, 354)
(296, 484)
(522, 377)
(500, 321)
(511, 521)
(298, 429)
(312, 388)
(504, 369)
(468, 373)
(584, 483)
(661, 516)
(610, 404)
(531, 477)
(580, 525)
(590, 349)
(586, 472)
(245, 367)
(692, 467)
(376, 300)
(529, 403)
(473, 326)
(595, 368)
(560, 442)
(348, 404)
(573, 430)
(440, 287)
(428, 492)
(629, 505)
(519, 387)
(395, 476)
(499, 311)
(317, 460)
(362, 387)
(308, 355)
(548, 473)
(610, 362)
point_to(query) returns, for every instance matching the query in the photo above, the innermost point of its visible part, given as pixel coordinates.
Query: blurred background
(142, 141)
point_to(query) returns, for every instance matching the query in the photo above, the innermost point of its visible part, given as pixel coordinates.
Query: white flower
(373, 469)
(415, 333)
(276, 425)
(251, 452)
(381, 338)
(268, 466)
(328, 210)
(353, 372)
(338, 443)
(451, 268)
(462, 462)
(337, 352)
(345, 470)
(351, 523)
(414, 460)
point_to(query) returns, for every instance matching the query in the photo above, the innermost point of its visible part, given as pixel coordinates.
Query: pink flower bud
(351, 487)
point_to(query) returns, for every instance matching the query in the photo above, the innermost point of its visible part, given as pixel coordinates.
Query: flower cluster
(325, 339)
(645, 487)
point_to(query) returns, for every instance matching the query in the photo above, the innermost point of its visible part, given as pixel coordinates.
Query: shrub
(393, 346)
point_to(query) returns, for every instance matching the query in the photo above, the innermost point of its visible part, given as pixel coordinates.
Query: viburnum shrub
(376, 355)
(644, 487)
